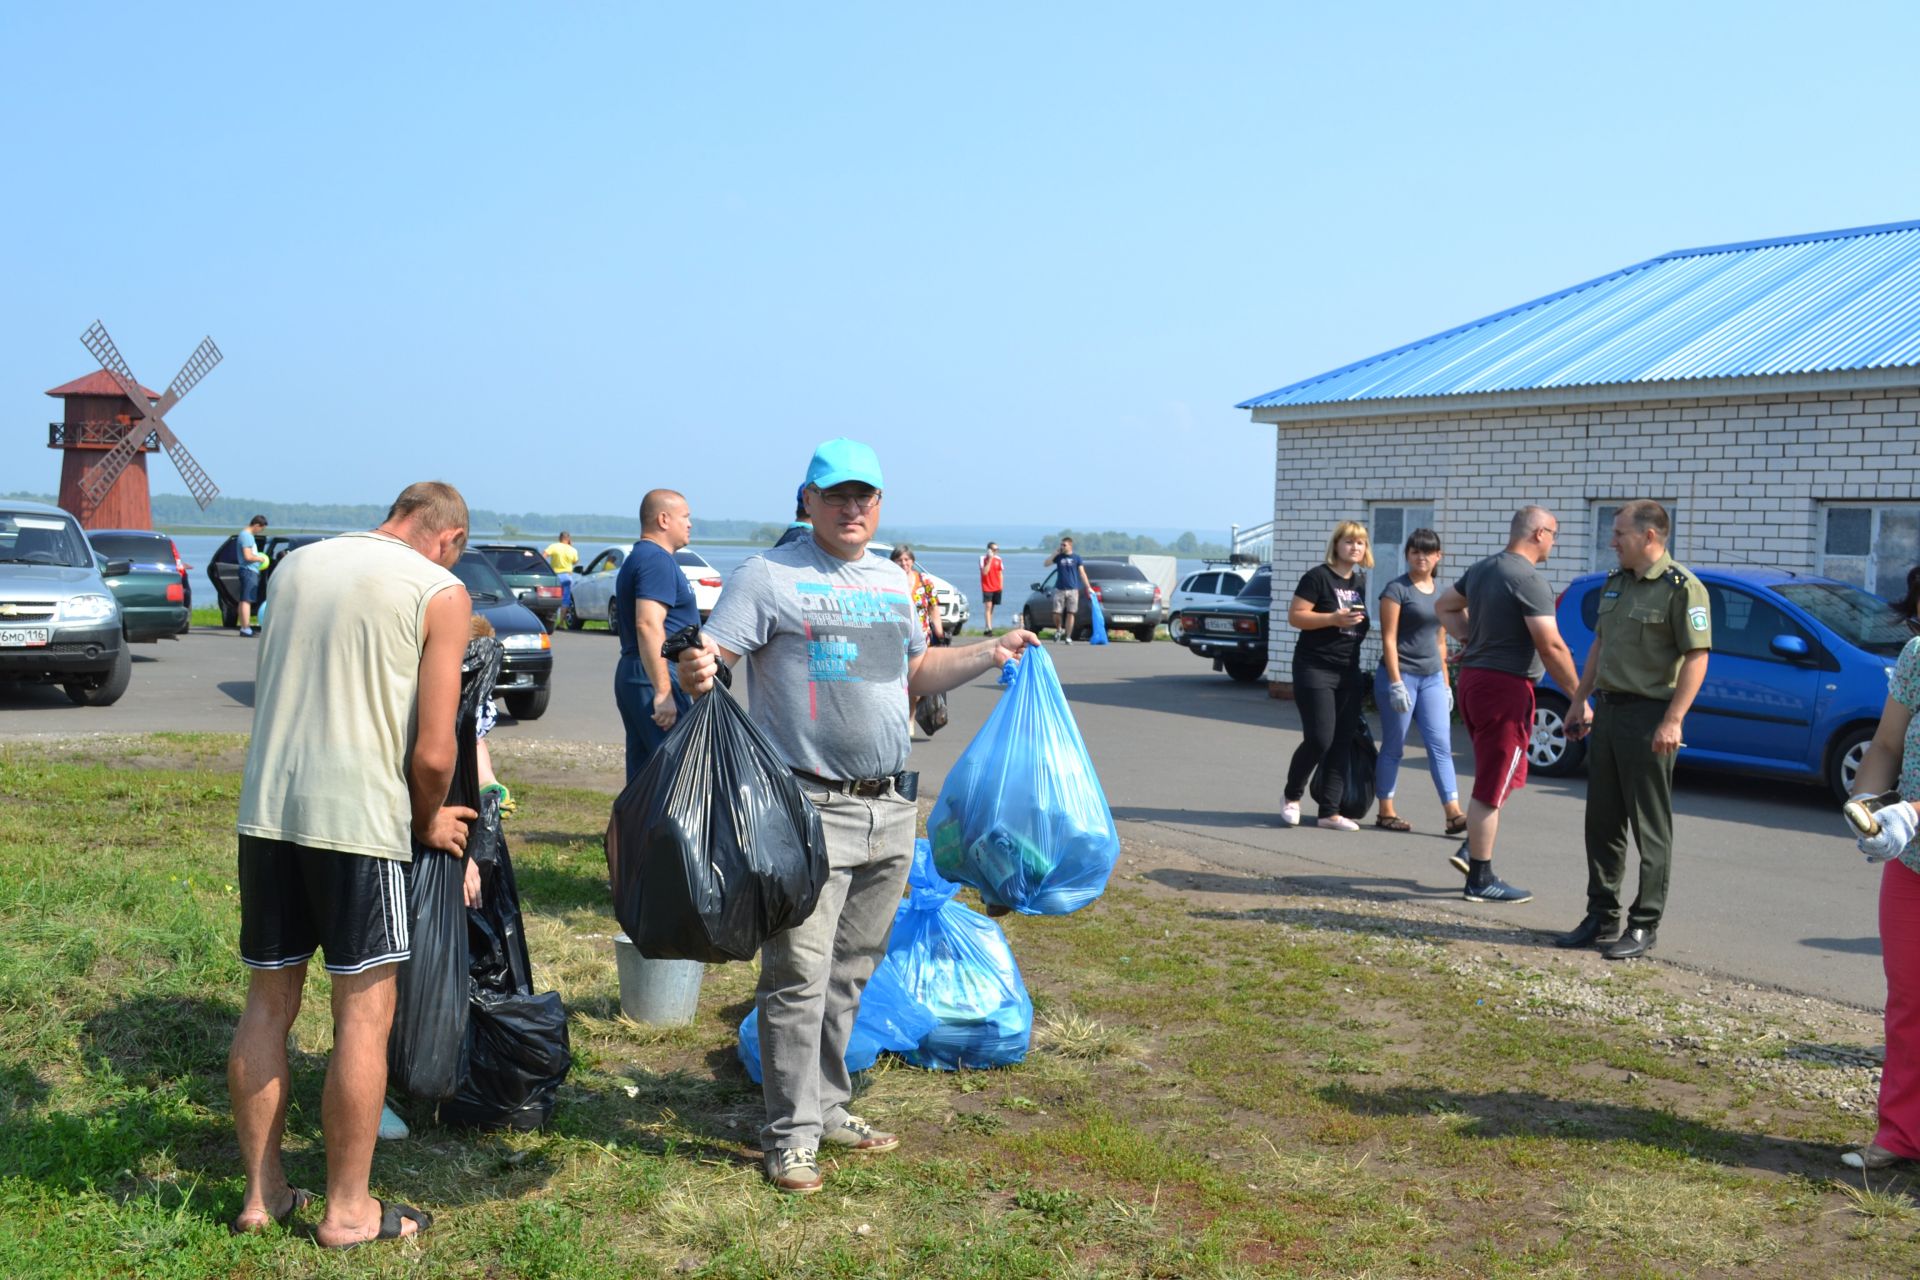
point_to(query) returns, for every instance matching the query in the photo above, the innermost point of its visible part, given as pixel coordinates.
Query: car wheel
(529, 706)
(1550, 753)
(1027, 623)
(573, 619)
(1145, 634)
(1245, 670)
(104, 690)
(1844, 757)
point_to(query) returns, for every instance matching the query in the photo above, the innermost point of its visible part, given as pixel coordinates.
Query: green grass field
(1234, 1090)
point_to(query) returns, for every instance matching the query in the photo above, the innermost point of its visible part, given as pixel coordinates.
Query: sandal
(301, 1199)
(1456, 825)
(1392, 822)
(391, 1216)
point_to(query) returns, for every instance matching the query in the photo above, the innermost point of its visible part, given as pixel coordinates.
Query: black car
(527, 666)
(223, 570)
(528, 573)
(1234, 634)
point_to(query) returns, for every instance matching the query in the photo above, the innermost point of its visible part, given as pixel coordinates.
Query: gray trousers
(812, 975)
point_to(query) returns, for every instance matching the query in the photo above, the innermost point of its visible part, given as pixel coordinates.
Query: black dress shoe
(1589, 931)
(1636, 941)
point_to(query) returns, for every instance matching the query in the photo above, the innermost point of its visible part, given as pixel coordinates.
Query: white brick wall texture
(1748, 474)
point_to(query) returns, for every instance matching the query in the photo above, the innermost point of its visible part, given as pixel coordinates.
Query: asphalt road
(1765, 888)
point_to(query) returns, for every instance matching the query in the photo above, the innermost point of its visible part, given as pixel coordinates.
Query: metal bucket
(664, 993)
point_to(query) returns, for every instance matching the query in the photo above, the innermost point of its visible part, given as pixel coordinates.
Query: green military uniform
(1647, 623)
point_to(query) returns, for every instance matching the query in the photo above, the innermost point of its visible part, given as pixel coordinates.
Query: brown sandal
(1394, 823)
(1456, 825)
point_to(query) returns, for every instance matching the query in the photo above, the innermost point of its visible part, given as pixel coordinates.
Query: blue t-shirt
(1069, 565)
(650, 573)
(246, 542)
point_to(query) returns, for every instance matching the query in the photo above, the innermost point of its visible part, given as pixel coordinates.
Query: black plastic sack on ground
(1362, 761)
(426, 1051)
(518, 1056)
(712, 848)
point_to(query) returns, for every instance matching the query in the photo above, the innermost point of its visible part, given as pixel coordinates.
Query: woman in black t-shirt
(1329, 610)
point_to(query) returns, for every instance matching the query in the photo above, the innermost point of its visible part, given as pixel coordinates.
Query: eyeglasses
(856, 501)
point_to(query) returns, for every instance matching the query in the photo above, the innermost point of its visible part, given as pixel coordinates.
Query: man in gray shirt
(833, 655)
(1502, 610)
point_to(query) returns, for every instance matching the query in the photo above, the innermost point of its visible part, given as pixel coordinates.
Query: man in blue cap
(834, 652)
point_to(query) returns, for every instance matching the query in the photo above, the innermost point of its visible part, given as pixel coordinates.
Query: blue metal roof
(1835, 300)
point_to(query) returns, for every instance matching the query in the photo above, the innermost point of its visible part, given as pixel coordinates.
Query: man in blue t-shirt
(1067, 586)
(252, 561)
(652, 600)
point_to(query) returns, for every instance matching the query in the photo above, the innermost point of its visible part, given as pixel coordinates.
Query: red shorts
(1498, 709)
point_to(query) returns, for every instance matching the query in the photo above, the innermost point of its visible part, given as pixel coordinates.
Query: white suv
(1216, 584)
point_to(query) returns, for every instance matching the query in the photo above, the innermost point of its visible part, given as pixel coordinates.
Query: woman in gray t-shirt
(1412, 683)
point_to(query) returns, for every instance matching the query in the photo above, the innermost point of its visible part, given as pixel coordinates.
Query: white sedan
(593, 585)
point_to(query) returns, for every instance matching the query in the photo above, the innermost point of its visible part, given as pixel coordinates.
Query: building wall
(1748, 475)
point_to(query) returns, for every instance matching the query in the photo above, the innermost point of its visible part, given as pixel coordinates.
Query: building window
(1871, 546)
(1603, 514)
(1390, 525)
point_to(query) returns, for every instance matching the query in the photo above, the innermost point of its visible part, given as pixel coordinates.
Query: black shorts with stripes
(295, 900)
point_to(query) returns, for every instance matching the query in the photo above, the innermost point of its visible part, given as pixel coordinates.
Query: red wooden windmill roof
(98, 383)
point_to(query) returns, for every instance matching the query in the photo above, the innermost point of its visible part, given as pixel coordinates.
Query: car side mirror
(1034, 586)
(117, 568)
(1789, 646)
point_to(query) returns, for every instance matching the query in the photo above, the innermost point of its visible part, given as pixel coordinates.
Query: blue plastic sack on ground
(1096, 619)
(1022, 817)
(946, 995)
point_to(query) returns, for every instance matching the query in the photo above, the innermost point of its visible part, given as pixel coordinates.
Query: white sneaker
(1338, 822)
(392, 1127)
(1290, 814)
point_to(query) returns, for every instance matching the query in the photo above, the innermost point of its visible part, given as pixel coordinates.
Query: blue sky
(1034, 254)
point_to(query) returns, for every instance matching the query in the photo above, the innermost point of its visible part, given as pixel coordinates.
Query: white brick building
(1768, 393)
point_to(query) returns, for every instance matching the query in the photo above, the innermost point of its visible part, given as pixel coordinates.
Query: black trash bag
(426, 1050)
(1362, 759)
(713, 848)
(520, 1054)
(930, 713)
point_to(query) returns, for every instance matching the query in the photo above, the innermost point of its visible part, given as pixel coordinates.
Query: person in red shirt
(990, 571)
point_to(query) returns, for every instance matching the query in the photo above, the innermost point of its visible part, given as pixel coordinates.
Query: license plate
(1124, 617)
(22, 637)
(1219, 624)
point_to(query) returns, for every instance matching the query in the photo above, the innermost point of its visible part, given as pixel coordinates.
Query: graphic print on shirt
(1348, 598)
(855, 634)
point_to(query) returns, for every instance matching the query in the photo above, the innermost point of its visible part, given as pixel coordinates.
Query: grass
(1211, 1093)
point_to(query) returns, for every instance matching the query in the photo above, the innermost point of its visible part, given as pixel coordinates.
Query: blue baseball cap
(842, 461)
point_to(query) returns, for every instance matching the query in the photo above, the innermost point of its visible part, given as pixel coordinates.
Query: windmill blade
(96, 340)
(102, 474)
(198, 366)
(199, 483)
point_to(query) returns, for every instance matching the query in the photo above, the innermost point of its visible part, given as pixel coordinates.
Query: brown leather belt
(866, 788)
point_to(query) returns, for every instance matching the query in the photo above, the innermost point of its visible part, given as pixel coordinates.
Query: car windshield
(691, 559)
(30, 538)
(521, 560)
(1260, 590)
(141, 548)
(1863, 621)
(482, 580)
(1113, 571)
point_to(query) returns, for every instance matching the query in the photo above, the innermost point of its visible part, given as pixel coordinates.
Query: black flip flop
(391, 1216)
(301, 1199)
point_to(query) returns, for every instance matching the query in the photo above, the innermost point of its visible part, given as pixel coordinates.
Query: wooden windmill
(112, 423)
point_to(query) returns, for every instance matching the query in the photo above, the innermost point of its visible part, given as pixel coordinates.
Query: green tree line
(1114, 543)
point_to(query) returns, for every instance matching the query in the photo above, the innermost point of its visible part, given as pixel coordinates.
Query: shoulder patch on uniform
(1697, 617)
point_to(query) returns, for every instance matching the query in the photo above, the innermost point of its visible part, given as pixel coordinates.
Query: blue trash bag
(1096, 619)
(946, 995)
(1022, 817)
(1007, 669)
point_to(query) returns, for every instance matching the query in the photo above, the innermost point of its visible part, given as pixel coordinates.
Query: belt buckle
(867, 788)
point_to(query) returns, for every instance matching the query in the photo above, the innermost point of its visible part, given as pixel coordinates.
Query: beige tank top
(335, 698)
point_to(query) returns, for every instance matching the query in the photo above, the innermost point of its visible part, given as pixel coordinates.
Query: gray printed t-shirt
(1418, 634)
(1502, 592)
(827, 643)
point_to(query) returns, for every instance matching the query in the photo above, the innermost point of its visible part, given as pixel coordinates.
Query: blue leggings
(1436, 730)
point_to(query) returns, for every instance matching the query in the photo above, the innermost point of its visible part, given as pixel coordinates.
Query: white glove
(1449, 699)
(1898, 822)
(1400, 697)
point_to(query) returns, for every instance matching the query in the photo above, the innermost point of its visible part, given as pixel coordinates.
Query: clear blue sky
(559, 254)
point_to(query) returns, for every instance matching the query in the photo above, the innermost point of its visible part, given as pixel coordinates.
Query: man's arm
(1451, 609)
(650, 630)
(1554, 652)
(436, 824)
(1693, 673)
(1577, 716)
(938, 670)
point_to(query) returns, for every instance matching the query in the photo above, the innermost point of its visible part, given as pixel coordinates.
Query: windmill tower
(111, 424)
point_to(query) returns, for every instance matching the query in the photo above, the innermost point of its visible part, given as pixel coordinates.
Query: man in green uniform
(1649, 656)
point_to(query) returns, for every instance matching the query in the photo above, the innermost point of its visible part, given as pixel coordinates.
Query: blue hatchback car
(1794, 688)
